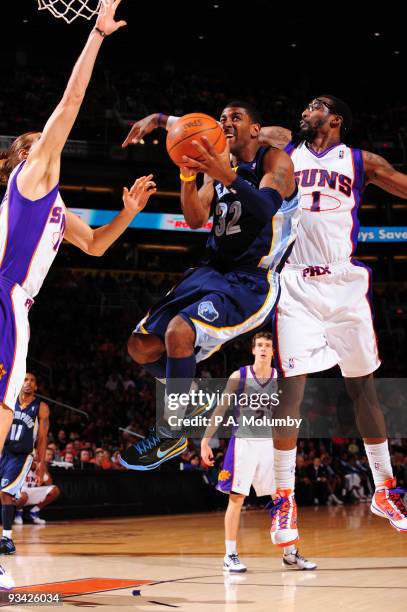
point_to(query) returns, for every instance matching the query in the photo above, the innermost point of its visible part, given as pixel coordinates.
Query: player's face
(238, 127)
(263, 350)
(315, 118)
(30, 384)
(31, 142)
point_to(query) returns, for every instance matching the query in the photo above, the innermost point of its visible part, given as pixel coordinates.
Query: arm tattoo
(280, 179)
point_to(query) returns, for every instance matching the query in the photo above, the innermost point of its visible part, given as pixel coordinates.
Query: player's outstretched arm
(231, 387)
(97, 241)
(42, 442)
(41, 171)
(379, 172)
(275, 136)
(146, 125)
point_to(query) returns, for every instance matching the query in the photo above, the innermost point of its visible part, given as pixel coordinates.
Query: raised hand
(140, 129)
(137, 197)
(105, 20)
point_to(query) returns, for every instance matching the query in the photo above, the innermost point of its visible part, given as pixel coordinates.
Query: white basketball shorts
(14, 306)
(248, 462)
(36, 495)
(325, 317)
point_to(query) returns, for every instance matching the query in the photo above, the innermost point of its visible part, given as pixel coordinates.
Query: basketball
(192, 127)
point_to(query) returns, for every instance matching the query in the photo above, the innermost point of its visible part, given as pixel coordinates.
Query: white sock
(35, 509)
(7, 533)
(379, 461)
(230, 546)
(290, 550)
(284, 468)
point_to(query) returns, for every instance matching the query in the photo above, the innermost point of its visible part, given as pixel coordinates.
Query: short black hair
(249, 108)
(339, 107)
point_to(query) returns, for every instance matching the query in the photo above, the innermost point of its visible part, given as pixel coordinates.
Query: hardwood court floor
(174, 562)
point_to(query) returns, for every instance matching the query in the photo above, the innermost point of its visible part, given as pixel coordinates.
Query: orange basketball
(193, 127)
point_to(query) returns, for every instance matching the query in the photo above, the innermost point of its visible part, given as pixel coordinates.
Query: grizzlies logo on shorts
(13, 471)
(207, 311)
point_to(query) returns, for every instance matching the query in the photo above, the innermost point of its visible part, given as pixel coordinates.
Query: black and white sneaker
(7, 546)
(232, 563)
(6, 581)
(151, 452)
(296, 561)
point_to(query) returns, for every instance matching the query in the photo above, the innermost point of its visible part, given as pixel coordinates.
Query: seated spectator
(334, 481)
(69, 458)
(49, 455)
(352, 482)
(85, 460)
(317, 474)
(303, 485)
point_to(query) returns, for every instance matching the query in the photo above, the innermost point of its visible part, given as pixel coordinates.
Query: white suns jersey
(331, 185)
(30, 235)
(258, 396)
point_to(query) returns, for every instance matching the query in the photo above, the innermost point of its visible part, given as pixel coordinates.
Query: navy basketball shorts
(220, 306)
(13, 471)
(14, 306)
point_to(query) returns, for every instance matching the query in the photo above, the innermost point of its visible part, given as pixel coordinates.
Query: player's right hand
(206, 453)
(140, 128)
(105, 20)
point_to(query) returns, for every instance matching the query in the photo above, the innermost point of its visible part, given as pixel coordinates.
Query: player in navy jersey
(29, 429)
(235, 289)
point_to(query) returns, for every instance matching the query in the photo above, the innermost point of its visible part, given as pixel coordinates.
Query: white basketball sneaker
(6, 581)
(36, 519)
(294, 560)
(232, 563)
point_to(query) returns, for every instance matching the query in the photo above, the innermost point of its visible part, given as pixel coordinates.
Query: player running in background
(235, 289)
(249, 461)
(29, 429)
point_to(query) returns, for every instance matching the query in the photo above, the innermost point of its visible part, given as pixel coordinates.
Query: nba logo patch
(377, 466)
(341, 154)
(291, 363)
(207, 311)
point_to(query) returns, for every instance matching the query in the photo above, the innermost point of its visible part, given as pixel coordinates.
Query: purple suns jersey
(30, 235)
(330, 186)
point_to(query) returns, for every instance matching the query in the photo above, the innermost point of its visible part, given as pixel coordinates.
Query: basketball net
(69, 10)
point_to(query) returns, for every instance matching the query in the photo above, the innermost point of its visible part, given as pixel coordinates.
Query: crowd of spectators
(117, 97)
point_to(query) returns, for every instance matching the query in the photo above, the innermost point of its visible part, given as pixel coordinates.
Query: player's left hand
(216, 165)
(39, 473)
(105, 20)
(137, 197)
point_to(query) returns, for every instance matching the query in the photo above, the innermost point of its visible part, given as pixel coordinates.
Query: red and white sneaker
(283, 511)
(388, 503)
